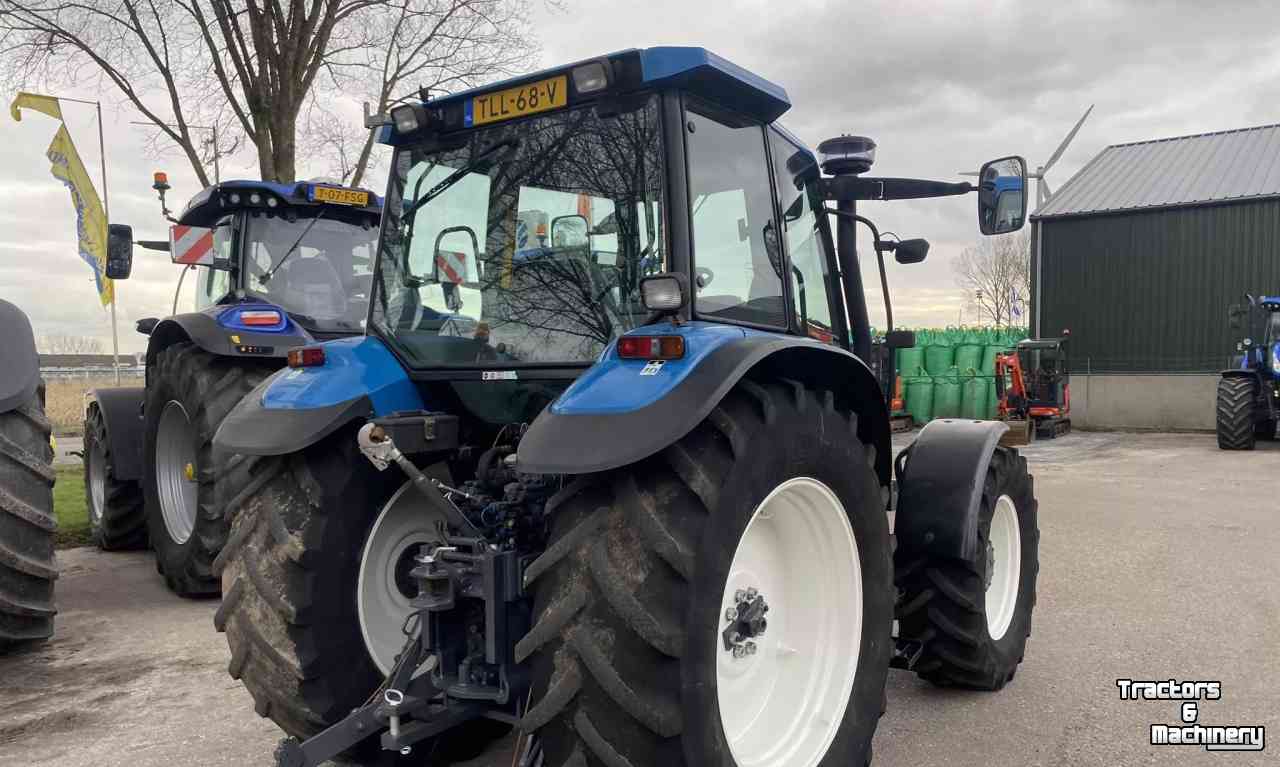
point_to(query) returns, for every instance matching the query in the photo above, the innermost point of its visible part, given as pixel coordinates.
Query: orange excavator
(1033, 390)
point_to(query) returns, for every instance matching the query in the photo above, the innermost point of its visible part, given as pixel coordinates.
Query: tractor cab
(1045, 372)
(307, 248)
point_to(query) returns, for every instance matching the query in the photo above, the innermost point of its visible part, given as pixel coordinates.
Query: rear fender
(121, 411)
(21, 362)
(297, 407)
(216, 331)
(621, 411)
(940, 487)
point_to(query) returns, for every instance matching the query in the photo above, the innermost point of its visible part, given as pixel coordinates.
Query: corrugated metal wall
(1148, 292)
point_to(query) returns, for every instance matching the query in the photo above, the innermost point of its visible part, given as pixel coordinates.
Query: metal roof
(1187, 170)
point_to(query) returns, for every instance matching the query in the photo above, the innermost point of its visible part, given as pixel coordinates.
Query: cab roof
(213, 202)
(697, 70)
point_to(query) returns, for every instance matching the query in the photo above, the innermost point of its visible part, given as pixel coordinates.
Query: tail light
(260, 317)
(651, 347)
(306, 357)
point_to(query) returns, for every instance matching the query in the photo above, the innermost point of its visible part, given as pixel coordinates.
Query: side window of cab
(810, 279)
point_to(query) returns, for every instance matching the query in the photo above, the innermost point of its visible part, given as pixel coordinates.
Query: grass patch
(70, 510)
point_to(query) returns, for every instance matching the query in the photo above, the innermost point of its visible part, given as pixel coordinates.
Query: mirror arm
(860, 188)
(880, 248)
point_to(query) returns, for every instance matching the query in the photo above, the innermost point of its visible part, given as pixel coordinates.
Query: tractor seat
(312, 287)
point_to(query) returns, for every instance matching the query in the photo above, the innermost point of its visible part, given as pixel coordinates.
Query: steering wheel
(703, 276)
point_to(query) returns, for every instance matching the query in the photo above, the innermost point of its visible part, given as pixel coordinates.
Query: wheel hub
(746, 622)
(786, 663)
(1004, 567)
(175, 470)
(385, 588)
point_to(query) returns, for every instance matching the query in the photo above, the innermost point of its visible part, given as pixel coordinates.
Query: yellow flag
(47, 104)
(91, 221)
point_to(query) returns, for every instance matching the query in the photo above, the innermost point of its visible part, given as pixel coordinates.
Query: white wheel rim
(175, 468)
(97, 482)
(782, 705)
(1005, 563)
(383, 590)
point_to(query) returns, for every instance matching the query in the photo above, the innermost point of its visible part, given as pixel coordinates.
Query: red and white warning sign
(191, 245)
(453, 266)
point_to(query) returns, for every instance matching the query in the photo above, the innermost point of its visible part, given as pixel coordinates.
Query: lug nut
(752, 593)
(740, 595)
(731, 615)
(750, 648)
(739, 652)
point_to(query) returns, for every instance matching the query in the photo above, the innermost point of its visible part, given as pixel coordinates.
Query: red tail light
(260, 317)
(651, 347)
(306, 357)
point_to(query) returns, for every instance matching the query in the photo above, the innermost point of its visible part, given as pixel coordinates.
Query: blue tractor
(27, 566)
(277, 266)
(1248, 404)
(642, 511)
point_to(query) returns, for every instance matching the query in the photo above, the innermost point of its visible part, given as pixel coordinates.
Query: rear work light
(651, 347)
(261, 317)
(306, 357)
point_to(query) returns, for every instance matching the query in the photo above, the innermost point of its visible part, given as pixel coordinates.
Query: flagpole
(106, 212)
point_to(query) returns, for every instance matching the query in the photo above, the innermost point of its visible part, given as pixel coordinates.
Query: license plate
(340, 196)
(541, 96)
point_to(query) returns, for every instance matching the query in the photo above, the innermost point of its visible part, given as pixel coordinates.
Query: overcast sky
(940, 86)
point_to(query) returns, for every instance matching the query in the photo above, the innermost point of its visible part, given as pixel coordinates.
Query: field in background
(64, 399)
(70, 510)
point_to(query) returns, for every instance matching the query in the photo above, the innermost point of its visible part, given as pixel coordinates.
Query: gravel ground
(1158, 560)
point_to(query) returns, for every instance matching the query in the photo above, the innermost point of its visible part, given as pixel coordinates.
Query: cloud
(941, 86)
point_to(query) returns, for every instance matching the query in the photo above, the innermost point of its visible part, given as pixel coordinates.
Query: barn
(1140, 255)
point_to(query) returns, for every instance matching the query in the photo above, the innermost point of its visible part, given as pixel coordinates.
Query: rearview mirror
(911, 251)
(900, 339)
(1002, 198)
(570, 231)
(119, 251)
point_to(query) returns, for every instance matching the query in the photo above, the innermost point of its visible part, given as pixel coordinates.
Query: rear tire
(117, 514)
(289, 572)
(972, 632)
(628, 596)
(187, 529)
(27, 565)
(1235, 414)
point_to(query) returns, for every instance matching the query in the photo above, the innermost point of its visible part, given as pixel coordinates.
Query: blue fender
(297, 407)
(622, 411)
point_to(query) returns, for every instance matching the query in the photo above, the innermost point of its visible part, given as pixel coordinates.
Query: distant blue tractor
(641, 510)
(277, 266)
(1248, 404)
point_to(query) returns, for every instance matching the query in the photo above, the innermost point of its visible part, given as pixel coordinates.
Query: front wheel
(117, 518)
(971, 618)
(728, 601)
(1235, 414)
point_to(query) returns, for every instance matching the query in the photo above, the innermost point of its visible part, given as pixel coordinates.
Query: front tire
(117, 513)
(633, 592)
(189, 394)
(972, 618)
(27, 565)
(1235, 414)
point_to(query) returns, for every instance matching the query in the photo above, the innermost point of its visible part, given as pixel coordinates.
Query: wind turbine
(1043, 192)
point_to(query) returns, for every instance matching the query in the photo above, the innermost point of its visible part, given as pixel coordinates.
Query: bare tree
(253, 65)
(62, 343)
(995, 276)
